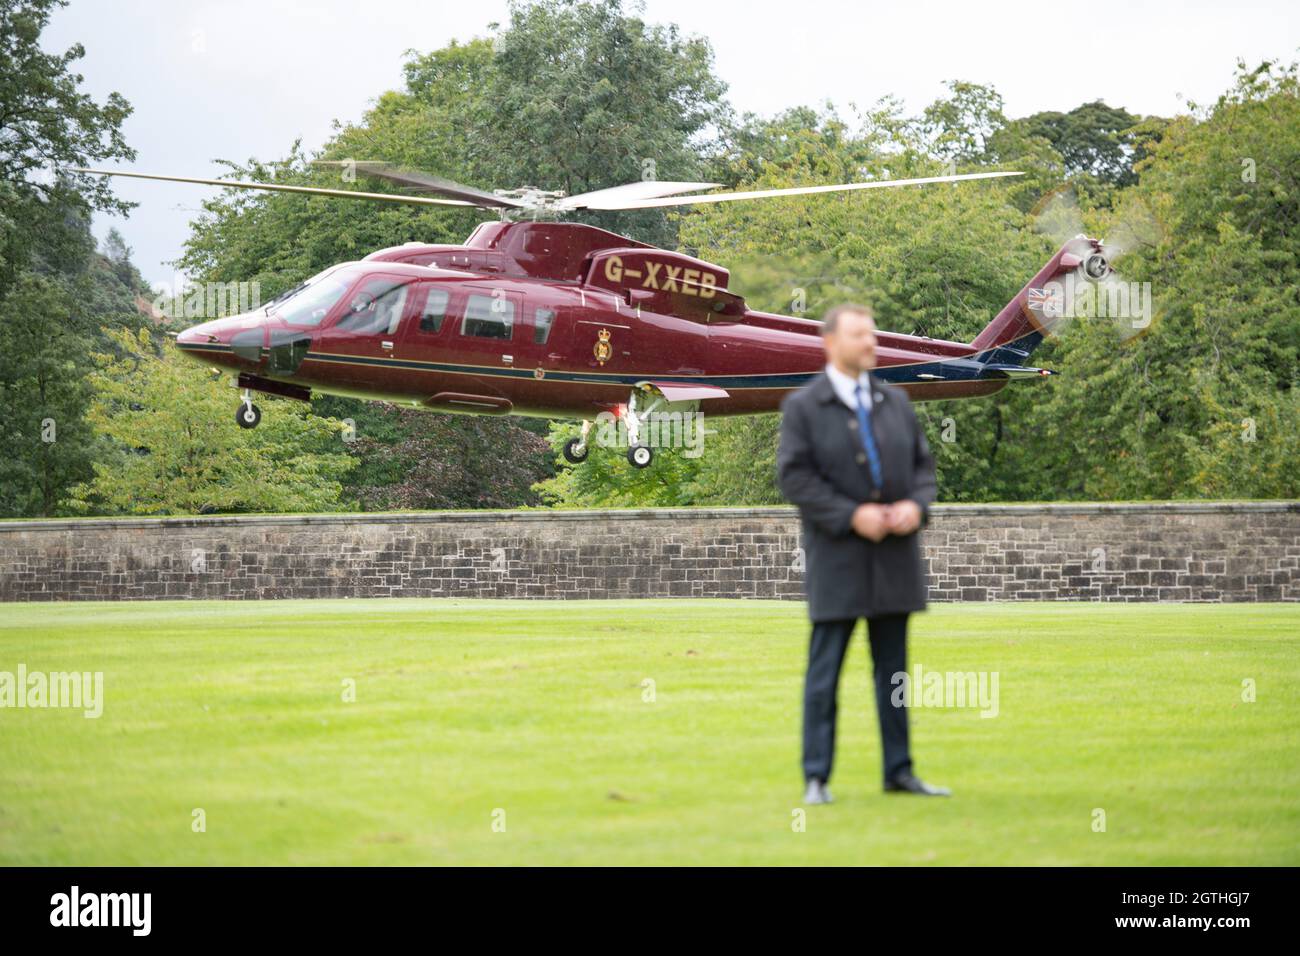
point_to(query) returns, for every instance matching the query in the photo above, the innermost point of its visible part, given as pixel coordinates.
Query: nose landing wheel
(575, 449)
(640, 456)
(248, 414)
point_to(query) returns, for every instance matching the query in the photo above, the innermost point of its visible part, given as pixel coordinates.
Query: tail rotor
(1097, 289)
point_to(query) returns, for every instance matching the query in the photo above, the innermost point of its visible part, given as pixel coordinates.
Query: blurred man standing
(855, 461)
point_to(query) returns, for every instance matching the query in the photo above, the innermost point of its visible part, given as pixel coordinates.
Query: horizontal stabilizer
(687, 392)
(1020, 371)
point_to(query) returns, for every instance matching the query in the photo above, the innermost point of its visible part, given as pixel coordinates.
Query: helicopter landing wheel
(248, 415)
(640, 456)
(575, 451)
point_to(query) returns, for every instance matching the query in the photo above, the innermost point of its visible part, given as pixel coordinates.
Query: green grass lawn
(535, 714)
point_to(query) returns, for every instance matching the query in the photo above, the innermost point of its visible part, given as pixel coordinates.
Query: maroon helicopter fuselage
(565, 320)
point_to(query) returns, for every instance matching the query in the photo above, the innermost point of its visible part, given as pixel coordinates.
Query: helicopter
(539, 317)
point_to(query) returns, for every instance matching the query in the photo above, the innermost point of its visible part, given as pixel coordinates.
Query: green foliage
(1156, 415)
(961, 126)
(55, 292)
(412, 459)
(172, 445)
(45, 122)
(585, 95)
(1093, 139)
(42, 359)
(1162, 414)
(573, 96)
(608, 480)
(1254, 457)
(739, 463)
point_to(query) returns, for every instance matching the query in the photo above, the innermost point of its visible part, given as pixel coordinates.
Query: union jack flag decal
(1046, 301)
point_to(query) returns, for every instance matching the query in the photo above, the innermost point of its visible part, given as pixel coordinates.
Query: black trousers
(830, 639)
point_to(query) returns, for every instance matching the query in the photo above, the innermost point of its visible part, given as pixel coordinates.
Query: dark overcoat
(822, 467)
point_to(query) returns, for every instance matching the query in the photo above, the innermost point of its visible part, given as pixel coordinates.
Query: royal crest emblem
(602, 349)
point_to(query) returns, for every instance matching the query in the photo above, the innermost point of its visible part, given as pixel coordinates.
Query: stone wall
(1242, 551)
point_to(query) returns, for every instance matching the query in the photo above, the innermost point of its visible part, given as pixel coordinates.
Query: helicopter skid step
(466, 404)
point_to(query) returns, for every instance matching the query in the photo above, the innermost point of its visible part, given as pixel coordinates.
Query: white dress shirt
(846, 387)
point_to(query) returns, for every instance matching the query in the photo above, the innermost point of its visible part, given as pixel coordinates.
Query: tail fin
(1007, 342)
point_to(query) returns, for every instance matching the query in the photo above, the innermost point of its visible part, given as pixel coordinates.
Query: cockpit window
(295, 289)
(310, 305)
(375, 307)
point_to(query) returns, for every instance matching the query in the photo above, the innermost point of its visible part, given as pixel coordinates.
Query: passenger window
(434, 311)
(489, 317)
(375, 308)
(543, 319)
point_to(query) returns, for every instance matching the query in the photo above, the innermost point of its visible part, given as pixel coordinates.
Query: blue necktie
(868, 439)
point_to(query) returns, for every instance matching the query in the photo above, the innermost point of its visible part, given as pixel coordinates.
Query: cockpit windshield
(295, 289)
(310, 304)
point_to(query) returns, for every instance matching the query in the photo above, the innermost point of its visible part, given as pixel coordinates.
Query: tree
(961, 127)
(403, 461)
(570, 95)
(45, 392)
(51, 297)
(172, 447)
(608, 480)
(1202, 402)
(585, 96)
(1093, 139)
(47, 122)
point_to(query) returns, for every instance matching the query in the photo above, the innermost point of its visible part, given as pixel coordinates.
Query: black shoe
(907, 782)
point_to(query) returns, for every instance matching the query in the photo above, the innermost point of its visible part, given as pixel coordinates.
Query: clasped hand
(874, 521)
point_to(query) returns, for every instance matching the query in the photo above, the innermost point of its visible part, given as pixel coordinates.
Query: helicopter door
(540, 340)
(367, 330)
(426, 332)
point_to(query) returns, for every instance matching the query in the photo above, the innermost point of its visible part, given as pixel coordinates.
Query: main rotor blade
(281, 188)
(425, 182)
(652, 189)
(800, 191)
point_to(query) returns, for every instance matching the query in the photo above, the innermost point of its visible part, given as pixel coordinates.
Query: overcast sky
(242, 78)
